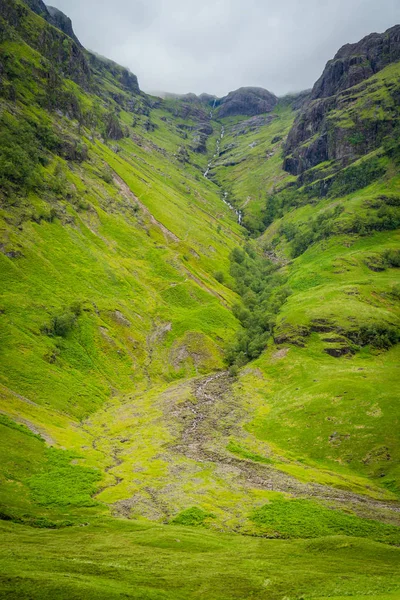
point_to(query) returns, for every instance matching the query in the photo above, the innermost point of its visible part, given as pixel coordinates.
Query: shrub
(263, 292)
(107, 175)
(19, 155)
(386, 218)
(289, 230)
(301, 242)
(61, 325)
(192, 517)
(392, 258)
(356, 177)
(377, 335)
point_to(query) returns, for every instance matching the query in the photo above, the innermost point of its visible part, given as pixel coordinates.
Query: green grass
(237, 449)
(110, 559)
(306, 519)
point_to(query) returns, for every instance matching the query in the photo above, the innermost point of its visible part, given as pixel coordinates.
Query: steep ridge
(331, 127)
(162, 362)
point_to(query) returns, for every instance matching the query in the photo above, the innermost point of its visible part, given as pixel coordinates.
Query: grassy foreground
(120, 559)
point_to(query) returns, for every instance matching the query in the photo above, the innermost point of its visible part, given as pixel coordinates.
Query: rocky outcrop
(101, 67)
(62, 22)
(207, 99)
(67, 58)
(54, 16)
(246, 101)
(354, 63)
(315, 137)
(296, 100)
(38, 7)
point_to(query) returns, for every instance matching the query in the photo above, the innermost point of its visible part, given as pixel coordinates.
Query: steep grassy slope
(109, 246)
(162, 362)
(81, 248)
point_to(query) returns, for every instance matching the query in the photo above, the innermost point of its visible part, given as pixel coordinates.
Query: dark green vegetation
(176, 387)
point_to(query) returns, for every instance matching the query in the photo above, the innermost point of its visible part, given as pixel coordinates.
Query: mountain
(199, 326)
(339, 121)
(54, 16)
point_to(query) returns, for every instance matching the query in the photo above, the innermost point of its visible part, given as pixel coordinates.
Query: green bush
(379, 336)
(356, 177)
(386, 218)
(392, 258)
(192, 517)
(302, 236)
(301, 242)
(263, 291)
(62, 324)
(18, 159)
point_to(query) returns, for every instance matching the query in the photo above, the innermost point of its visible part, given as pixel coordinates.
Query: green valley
(199, 329)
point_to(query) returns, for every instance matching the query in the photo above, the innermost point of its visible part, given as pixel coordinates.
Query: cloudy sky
(216, 46)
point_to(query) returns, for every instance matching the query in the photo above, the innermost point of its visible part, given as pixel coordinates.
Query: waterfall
(217, 151)
(206, 172)
(238, 213)
(225, 200)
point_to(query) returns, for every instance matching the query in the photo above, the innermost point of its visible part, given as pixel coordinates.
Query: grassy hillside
(170, 375)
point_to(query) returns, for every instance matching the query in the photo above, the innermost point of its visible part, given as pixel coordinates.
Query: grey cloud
(215, 46)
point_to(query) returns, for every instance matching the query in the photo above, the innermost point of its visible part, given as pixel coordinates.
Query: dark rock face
(100, 66)
(129, 81)
(252, 124)
(207, 99)
(312, 140)
(201, 133)
(296, 100)
(112, 127)
(61, 21)
(38, 7)
(53, 16)
(356, 62)
(246, 101)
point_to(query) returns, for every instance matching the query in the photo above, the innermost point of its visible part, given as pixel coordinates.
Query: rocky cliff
(54, 16)
(248, 101)
(62, 22)
(316, 135)
(354, 63)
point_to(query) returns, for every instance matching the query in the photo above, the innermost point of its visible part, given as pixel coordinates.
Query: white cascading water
(238, 213)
